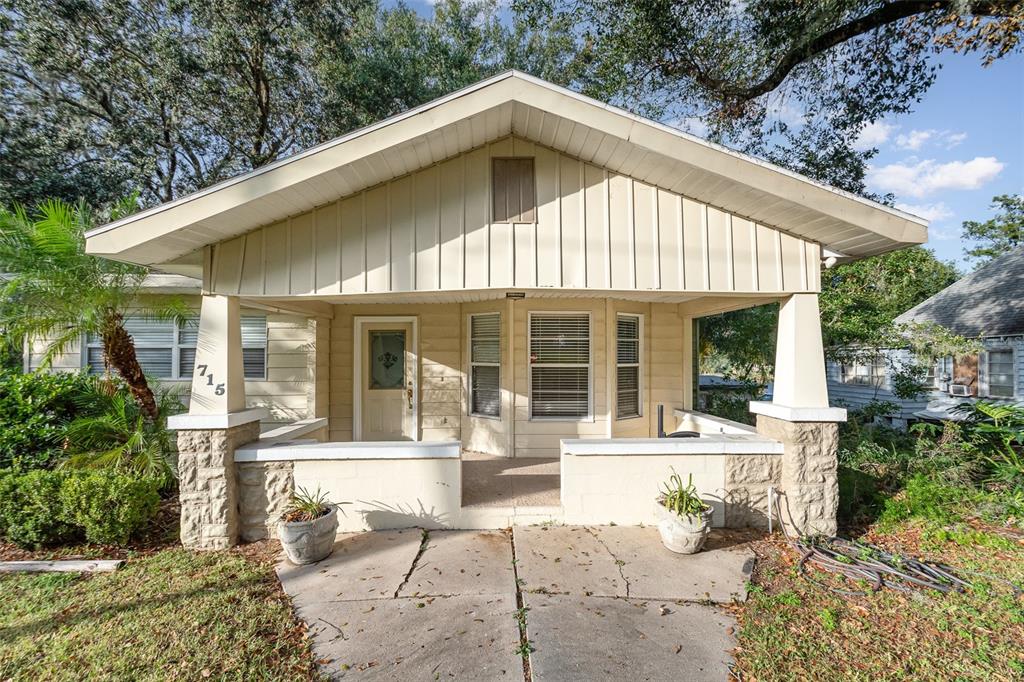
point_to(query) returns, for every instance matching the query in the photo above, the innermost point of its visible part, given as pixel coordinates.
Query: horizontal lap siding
(284, 392)
(432, 230)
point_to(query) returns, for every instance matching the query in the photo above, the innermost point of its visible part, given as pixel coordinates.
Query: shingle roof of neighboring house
(987, 302)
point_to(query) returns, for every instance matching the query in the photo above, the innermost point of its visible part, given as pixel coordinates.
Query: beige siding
(284, 392)
(432, 230)
(445, 367)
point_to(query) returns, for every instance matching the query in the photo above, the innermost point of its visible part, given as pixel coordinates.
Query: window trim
(589, 417)
(176, 346)
(987, 385)
(469, 382)
(877, 380)
(639, 364)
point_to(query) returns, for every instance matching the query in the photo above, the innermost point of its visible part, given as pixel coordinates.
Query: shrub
(33, 410)
(110, 507)
(31, 515)
(924, 498)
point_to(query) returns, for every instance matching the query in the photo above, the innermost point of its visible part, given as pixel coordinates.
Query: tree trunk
(119, 353)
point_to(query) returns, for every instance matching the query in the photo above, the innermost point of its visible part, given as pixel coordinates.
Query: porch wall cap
(708, 444)
(296, 451)
(202, 422)
(798, 414)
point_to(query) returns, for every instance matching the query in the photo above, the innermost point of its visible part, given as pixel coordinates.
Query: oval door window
(387, 359)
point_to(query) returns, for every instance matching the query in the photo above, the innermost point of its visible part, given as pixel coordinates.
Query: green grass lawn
(792, 629)
(169, 614)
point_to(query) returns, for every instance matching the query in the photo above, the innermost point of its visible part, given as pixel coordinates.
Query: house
(986, 305)
(511, 271)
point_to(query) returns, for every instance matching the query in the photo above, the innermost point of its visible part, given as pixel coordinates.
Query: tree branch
(815, 45)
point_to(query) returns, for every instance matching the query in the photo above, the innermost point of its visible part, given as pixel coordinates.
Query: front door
(388, 382)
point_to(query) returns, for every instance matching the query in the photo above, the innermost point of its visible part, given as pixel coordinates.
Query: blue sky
(963, 145)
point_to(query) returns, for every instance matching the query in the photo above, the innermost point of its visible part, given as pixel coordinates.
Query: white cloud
(953, 139)
(914, 139)
(874, 134)
(930, 212)
(926, 177)
(943, 234)
(782, 110)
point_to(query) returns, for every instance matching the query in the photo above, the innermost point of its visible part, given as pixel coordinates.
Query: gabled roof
(510, 103)
(987, 302)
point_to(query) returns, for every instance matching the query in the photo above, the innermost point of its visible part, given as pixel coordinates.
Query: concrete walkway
(594, 603)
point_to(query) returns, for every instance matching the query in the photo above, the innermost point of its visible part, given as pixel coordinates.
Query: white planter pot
(682, 534)
(306, 542)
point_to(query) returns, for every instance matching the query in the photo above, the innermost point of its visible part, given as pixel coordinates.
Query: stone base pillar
(747, 479)
(208, 484)
(809, 485)
(264, 491)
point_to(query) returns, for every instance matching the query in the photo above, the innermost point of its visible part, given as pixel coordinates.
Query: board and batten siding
(432, 230)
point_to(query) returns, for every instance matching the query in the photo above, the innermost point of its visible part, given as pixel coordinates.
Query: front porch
(566, 432)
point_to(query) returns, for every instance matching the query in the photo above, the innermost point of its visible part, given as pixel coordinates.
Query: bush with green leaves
(110, 507)
(31, 514)
(34, 409)
(48, 507)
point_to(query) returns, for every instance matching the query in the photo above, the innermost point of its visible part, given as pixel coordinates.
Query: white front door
(388, 381)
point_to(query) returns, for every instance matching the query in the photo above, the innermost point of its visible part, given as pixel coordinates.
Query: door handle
(408, 394)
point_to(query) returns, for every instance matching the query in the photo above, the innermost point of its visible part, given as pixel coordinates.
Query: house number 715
(218, 388)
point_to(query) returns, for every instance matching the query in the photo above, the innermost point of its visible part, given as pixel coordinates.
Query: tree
(56, 292)
(794, 82)
(860, 300)
(170, 96)
(999, 234)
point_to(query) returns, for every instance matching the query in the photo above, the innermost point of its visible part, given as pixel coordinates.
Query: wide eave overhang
(172, 235)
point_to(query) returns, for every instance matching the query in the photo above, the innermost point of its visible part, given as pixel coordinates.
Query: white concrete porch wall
(387, 493)
(432, 230)
(621, 489)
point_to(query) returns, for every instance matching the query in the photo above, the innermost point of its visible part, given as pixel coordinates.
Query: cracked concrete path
(601, 603)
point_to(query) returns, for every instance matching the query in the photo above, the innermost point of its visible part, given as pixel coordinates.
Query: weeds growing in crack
(424, 539)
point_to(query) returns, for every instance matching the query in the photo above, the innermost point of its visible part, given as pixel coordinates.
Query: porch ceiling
(507, 104)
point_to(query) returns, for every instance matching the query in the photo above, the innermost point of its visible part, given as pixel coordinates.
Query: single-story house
(986, 305)
(510, 271)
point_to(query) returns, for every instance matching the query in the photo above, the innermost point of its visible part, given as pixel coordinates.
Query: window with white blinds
(1000, 373)
(166, 351)
(560, 366)
(485, 365)
(627, 366)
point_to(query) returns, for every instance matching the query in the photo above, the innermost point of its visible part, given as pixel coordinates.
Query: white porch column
(217, 423)
(218, 383)
(799, 417)
(799, 357)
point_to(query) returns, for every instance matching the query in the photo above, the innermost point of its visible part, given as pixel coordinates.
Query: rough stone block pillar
(264, 492)
(809, 481)
(747, 479)
(208, 484)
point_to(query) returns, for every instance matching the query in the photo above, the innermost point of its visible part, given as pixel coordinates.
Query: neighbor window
(485, 365)
(559, 366)
(168, 351)
(513, 192)
(627, 366)
(1000, 373)
(870, 373)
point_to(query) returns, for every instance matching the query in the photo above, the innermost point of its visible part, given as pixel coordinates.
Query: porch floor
(489, 481)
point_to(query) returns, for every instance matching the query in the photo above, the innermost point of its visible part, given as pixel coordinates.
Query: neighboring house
(987, 305)
(514, 270)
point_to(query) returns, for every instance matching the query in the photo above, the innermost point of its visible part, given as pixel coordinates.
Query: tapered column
(799, 417)
(799, 356)
(218, 383)
(216, 424)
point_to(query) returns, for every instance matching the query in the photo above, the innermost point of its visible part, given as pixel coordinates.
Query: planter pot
(682, 534)
(306, 542)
